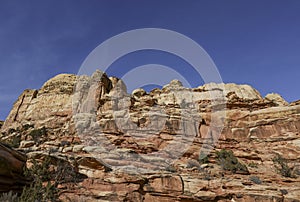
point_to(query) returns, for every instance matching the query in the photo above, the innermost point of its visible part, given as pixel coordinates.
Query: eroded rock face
(276, 98)
(80, 119)
(51, 106)
(12, 165)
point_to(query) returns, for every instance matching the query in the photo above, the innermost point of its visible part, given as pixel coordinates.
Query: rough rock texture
(112, 138)
(12, 164)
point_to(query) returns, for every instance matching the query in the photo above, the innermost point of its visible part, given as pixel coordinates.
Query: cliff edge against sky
(255, 157)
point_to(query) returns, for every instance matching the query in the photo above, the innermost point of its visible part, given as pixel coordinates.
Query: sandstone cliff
(124, 154)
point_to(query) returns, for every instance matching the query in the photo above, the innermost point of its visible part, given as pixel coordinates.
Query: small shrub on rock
(13, 142)
(229, 162)
(203, 159)
(255, 179)
(253, 165)
(37, 191)
(36, 134)
(46, 177)
(281, 166)
(26, 127)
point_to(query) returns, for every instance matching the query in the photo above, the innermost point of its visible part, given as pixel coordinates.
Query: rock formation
(12, 164)
(153, 146)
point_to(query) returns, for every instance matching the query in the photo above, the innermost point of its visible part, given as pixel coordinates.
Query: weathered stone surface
(276, 98)
(26, 143)
(12, 165)
(50, 107)
(76, 118)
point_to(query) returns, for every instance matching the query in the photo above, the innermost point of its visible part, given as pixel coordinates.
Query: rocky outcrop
(12, 165)
(153, 146)
(50, 106)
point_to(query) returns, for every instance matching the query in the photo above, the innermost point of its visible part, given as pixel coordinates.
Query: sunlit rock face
(146, 146)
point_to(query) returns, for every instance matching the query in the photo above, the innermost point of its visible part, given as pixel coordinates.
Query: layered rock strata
(150, 146)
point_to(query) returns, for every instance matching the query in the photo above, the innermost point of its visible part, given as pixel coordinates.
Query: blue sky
(253, 42)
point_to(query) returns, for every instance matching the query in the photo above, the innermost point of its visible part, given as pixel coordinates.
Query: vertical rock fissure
(182, 184)
(18, 109)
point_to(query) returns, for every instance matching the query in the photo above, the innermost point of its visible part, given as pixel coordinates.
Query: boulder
(12, 165)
